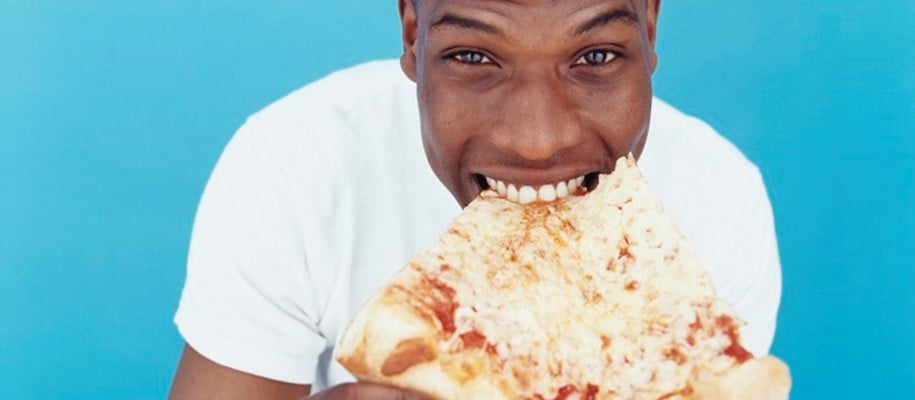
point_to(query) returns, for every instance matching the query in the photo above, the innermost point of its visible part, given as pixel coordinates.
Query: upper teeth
(525, 194)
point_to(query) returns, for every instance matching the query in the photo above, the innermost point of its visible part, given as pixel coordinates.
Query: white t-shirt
(322, 196)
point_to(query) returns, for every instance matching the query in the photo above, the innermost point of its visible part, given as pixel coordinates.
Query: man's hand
(364, 391)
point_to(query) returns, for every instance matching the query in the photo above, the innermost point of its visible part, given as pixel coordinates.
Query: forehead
(525, 5)
(528, 2)
(528, 15)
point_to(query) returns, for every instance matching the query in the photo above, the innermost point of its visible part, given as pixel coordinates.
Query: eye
(596, 57)
(470, 57)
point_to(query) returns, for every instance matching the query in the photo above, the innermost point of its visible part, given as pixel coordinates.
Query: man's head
(529, 93)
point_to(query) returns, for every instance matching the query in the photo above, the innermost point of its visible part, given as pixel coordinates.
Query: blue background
(112, 114)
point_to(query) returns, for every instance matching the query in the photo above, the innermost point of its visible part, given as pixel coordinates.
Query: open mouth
(526, 194)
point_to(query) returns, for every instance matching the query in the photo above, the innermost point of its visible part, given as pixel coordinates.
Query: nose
(537, 119)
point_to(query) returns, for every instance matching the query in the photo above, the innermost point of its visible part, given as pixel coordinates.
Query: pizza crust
(389, 343)
(764, 378)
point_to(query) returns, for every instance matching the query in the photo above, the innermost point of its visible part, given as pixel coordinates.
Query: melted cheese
(599, 289)
(550, 301)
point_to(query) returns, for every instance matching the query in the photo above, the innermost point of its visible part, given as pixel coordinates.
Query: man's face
(531, 98)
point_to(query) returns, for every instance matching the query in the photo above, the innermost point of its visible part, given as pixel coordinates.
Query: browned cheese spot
(555, 368)
(675, 355)
(591, 295)
(459, 233)
(468, 371)
(679, 393)
(530, 273)
(696, 325)
(522, 377)
(611, 265)
(464, 370)
(673, 255)
(605, 342)
(513, 246)
(625, 257)
(557, 230)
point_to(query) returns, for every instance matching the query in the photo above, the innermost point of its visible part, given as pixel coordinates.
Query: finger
(365, 391)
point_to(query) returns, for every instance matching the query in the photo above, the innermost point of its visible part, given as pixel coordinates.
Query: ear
(651, 24)
(409, 38)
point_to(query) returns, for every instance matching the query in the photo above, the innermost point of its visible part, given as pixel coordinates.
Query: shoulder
(346, 99)
(343, 88)
(686, 156)
(351, 114)
(346, 120)
(677, 135)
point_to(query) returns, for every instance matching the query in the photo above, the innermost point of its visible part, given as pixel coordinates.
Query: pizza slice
(596, 296)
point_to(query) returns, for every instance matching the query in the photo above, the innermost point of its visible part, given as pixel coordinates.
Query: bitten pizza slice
(597, 296)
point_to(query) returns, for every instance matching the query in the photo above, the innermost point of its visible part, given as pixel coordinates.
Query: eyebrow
(606, 18)
(619, 14)
(465, 23)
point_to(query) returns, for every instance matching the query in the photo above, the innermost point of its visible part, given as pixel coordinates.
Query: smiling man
(529, 94)
(323, 195)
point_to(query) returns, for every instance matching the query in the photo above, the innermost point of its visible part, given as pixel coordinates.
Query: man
(324, 195)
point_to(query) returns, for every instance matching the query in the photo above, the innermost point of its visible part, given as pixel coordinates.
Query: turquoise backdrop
(112, 114)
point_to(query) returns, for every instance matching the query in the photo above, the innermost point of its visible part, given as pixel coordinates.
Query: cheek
(620, 116)
(445, 131)
(448, 122)
(448, 125)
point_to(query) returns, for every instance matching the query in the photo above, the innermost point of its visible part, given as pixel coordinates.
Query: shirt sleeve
(248, 302)
(756, 289)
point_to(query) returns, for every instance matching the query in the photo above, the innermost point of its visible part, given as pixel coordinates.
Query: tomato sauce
(441, 302)
(591, 392)
(735, 350)
(565, 392)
